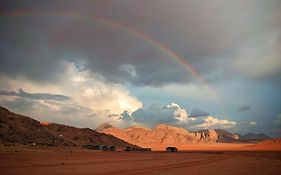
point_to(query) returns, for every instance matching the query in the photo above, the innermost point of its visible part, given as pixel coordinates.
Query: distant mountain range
(165, 134)
(18, 129)
(253, 136)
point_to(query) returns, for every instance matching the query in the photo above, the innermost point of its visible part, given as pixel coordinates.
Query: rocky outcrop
(227, 137)
(161, 134)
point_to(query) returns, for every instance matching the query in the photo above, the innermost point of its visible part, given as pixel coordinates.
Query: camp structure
(88, 146)
(171, 149)
(100, 147)
(104, 147)
(111, 148)
(97, 147)
(136, 149)
(128, 149)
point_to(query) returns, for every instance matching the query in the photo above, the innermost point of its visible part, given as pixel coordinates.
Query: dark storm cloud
(206, 34)
(25, 50)
(244, 108)
(39, 96)
(39, 44)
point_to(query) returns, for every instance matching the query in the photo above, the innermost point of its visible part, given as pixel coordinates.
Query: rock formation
(165, 134)
(161, 134)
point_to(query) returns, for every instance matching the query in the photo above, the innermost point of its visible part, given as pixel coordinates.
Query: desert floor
(221, 147)
(88, 162)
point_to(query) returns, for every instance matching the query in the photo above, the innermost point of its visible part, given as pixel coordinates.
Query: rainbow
(112, 24)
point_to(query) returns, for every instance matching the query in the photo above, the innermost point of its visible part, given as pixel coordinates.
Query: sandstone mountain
(227, 137)
(161, 134)
(223, 136)
(18, 129)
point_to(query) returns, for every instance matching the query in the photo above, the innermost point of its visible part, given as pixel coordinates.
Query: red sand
(221, 146)
(77, 161)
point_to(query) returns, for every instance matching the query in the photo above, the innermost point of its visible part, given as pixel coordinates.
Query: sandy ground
(87, 162)
(221, 146)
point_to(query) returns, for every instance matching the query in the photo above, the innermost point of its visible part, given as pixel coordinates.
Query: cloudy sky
(188, 63)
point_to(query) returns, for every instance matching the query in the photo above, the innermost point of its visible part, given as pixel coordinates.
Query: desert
(60, 152)
(140, 87)
(84, 162)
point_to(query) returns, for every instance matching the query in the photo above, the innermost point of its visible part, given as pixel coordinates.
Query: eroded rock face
(225, 136)
(161, 134)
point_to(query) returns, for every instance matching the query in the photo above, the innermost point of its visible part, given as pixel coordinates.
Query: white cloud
(95, 92)
(173, 106)
(93, 99)
(253, 123)
(211, 122)
(192, 118)
(180, 114)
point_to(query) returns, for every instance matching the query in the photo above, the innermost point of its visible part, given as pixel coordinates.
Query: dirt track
(102, 163)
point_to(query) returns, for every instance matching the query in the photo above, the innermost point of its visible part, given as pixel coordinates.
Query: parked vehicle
(128, 149)
(112, 148)
(137, 149)
(97, 147)
(88, 146)
(104, 148)
(171, 149)
(100, 147)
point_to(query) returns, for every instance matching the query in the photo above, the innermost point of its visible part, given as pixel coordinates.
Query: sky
(194, 64)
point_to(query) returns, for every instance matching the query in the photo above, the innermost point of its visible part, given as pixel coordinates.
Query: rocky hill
(18, 129)
(161, 134)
